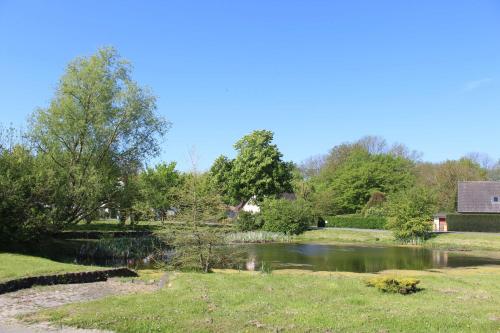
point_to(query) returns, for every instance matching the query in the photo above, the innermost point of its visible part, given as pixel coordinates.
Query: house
(474, 197)
(480, 197)
(251, 206)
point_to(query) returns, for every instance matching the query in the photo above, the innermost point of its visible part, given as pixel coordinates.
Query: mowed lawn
(14, 266)
(452, 300)
(448, 241)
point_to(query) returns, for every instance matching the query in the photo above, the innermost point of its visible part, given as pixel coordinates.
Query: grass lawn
(452, 300)
(14, 266)
(448, 241)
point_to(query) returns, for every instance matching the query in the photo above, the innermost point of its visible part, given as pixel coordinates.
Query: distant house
(251, 206)
(474, 197)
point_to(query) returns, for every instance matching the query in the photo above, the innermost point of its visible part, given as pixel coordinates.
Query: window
(495, 199)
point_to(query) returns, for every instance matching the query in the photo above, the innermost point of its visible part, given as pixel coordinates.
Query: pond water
(314, 257)
(318, 257)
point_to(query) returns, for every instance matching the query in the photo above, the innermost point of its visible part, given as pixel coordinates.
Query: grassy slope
(16, 265)
(450, 241)
(455, 300)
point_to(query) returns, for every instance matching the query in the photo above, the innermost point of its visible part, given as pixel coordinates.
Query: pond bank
(467, 241)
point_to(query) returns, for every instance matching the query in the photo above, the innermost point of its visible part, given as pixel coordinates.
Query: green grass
(448, 241)
(455, 300)
(14, 266)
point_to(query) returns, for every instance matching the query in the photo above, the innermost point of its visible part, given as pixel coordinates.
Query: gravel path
(37, 298)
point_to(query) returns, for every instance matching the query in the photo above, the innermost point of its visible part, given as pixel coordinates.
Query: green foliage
(289, 217)
(158, 189)
(444, 178)
(473, 222)
(201, 250)
(356, 221)
(353, 173)
(397, 285)
(97, 130)
(23, 214)
(410, 214)
(247, 221)
(257, 170)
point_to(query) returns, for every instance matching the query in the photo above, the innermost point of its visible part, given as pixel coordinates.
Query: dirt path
(34, 299)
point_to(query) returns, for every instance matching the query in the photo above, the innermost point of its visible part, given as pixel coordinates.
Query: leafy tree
(257, 170)
(198, 247)
(410, 214)
(158, 189)
(361, 173)
(23, 214)
(98, 128)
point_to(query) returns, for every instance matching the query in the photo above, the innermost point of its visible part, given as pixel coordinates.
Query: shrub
(289, 217)
(394, 284)
(248, 222)
(356, 221)
(473, 222)
(410, 214)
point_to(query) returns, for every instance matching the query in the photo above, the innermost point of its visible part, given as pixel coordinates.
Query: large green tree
(98, 128)
(258, 169)
(158, 189)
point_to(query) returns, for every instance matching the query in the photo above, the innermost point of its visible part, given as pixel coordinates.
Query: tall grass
(257, 237)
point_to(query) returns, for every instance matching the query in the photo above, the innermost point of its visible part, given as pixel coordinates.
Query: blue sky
(317, 73)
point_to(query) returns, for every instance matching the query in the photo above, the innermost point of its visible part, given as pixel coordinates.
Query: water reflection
(354, 258)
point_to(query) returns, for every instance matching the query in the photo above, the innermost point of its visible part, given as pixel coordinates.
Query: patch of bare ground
(31, 300)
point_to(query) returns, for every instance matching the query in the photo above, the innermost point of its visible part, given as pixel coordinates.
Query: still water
(318, 257)
(135, 253)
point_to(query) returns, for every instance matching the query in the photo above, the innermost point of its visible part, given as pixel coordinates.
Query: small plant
(394, 284)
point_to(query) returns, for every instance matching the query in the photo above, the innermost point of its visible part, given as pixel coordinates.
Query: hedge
(356, 221)
(473, 222)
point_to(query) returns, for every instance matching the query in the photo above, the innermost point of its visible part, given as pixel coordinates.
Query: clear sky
(317, 73)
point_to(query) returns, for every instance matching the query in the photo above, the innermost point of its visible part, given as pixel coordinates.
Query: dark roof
(477, 197)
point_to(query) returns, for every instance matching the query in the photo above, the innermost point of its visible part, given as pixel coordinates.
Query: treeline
(370, 178)
(86, 154)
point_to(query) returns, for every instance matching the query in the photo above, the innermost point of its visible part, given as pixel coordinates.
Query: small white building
(439, 224)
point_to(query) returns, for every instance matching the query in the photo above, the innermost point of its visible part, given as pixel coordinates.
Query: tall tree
(98, 128)
(258, 169)
(158, 189)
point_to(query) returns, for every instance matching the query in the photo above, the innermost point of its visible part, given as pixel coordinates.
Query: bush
(248, 222)
(473, 222)
(356, 221)
(410, 214)
(289, 217)
(395, 285)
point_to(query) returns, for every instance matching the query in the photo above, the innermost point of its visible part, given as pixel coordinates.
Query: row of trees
(87, 151)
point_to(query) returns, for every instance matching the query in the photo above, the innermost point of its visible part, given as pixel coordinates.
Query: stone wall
(65, 278)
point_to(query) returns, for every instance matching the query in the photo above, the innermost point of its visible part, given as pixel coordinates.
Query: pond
(131, 252)
(349, 258)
